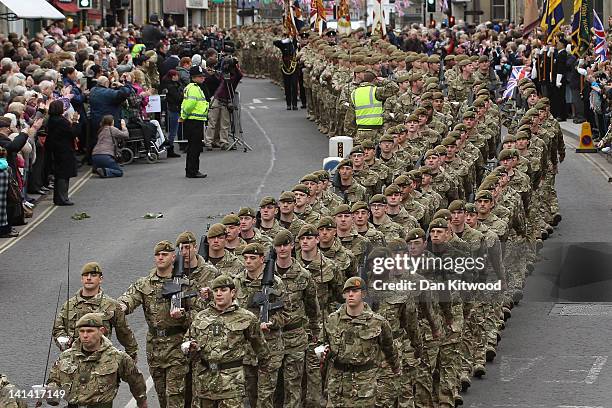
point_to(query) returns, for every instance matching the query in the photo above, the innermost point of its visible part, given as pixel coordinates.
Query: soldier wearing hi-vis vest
(364, 116)
(194, 114)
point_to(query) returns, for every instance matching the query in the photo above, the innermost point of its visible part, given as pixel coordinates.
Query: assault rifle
(173, 289)
(262, 299)
(203, 247)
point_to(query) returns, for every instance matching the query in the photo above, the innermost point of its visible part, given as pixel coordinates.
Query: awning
(71, 8)
(33, 9)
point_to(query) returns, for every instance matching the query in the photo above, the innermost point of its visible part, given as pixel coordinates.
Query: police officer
(91, 370)
(194, 114)
(90, 298)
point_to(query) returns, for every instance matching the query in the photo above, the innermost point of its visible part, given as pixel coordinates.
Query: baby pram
(144, 141)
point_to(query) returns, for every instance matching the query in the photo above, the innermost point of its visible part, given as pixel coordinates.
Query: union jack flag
(518, 73)
(601, 45)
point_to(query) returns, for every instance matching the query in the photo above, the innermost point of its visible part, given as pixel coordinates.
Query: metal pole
(424, 5)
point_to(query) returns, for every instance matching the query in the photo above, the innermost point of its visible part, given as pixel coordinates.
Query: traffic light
(85, 4)
(451, 21)
(431, 6)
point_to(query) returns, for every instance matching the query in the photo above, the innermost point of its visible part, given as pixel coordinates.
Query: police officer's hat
(196, 71)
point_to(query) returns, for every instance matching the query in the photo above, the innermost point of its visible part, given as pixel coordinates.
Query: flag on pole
(517, 74)
(581, 23)
(344, 18)
(552, 18)
(289, 20)
(601, 45)
(317, 15)
(532, 16)
(378, 19)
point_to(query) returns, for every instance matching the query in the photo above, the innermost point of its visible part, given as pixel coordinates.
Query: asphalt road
(544, 360)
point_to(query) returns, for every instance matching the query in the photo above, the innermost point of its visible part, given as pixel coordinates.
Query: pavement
(553, 353)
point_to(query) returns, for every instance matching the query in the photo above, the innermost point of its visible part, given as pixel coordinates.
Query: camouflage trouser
(314, 388)
(449, 361)
(340, 113)
(170, 385)
(515, 263)
(388, 383)
(550, 193)
(424, 386)
(309, 101)
(351, 389)
(261, 382)
(316, 102)
(224, 403)
(407, 382)
(293, 371)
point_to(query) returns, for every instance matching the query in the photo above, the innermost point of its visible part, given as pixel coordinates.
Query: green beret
(430, 152)
(469, 114)
(442, 213)
(91, 320)
(505, 154)
(414, 76)
(449, 57)
(530, 91)
(302, 188)
(222, 281)
(455, 134)
(326, 222)
(470, 208)
(231, 219)
(163, 246)
(310, 177)
(392, 189)
(359, 68)
(456, 205)
(414, 174)
(420, 111)
(438, 223)
(479, 103)
(464, 62)
(415, 233)
(359, 205)
(545, 100)
(345, 163)
(308, 230)
(254, 248)
(531, 112)
(341, 209)
(354, 282)
(474, 58)
(368, 144)
(437, 95)
(186, 237)
(483, 93)
(509, 138)
(448, 140)
(321, 174)
(402, 180)
(523, 81)
(357, 149)
(91, 267)
(440, 150)
(412, 118)
(426, 103)
(387, 137)
(397, 245)
(247, 212)
(378, 199)
(460, 127)
(287, 196)
(522, 135)
(483, 58)
(461, 57)
(540, 105)
(484, 195)
(283, 237)
(268, 200)
(402, 78)
(433, 59)
(216, 230)
(424, 170)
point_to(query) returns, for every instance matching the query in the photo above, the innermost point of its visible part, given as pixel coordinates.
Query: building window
(498, 9)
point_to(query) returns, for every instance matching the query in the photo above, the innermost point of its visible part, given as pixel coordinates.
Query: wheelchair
(143, 142)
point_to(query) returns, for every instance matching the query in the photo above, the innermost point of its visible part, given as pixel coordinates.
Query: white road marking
(607, 175)
(252, 107)
(255, 100)
(271, 99)
(596, 368)
(272, 156)
(591, 374)
(44, 215)
(132, 403)
(526, 364)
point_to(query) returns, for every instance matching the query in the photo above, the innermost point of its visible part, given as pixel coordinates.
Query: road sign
(85, 4)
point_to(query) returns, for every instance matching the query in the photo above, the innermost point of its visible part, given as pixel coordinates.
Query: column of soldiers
(430, 176)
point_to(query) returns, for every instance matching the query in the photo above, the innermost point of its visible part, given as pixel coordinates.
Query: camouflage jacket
(77, 306)
(222, 338)
(271, 232)
(309, 216)
(6, 399)
(329, 280)
(404, 219)
(390, 229)
(295, 225)
(342, 257)
(93, 379)
(355, 243)
(353, 193)
(230, 264)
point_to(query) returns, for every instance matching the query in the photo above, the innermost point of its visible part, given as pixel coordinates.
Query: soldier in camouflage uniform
(90, 298)
(347, 234)
(288, 219)
(261, 381)
(460, 86)
(304, 317)
(361, 216)
(362, 173)
(382, 222)
(233, 242)
(91, 370)
(268, 225)
(348, 188)
(302, 208)
(8, 398)
(217, 342)
(396, 210)
(332, 248)
(357, 338)
(222, 259)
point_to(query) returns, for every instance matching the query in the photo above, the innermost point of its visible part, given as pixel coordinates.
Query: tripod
(235, 130)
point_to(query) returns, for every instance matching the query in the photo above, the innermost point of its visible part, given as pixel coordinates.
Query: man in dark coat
(152, 33)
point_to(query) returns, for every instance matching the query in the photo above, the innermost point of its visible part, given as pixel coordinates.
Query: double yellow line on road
(45, 214)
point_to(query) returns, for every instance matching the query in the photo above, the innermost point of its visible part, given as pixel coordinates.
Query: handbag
(13, 195)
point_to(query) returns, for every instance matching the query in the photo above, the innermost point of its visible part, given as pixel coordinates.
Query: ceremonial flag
(601, 45)
(518, 73)
(532, 16)
(289, 20)
(552, 17)
(344, 18)
(581, 34)
(378, 18)
(317, 15)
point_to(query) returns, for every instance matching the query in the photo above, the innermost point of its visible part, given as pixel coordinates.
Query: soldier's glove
(187, 347)
(63, 342)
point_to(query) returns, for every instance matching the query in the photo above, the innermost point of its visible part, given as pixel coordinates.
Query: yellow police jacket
(368, 109)
(194, 105)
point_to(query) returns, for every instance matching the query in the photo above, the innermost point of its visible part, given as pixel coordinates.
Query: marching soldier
(91, 370)
(8, 398)
(225, 261)
(90, 298)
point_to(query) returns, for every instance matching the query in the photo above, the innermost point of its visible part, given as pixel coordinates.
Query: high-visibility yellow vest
(194, 105)
(368, 109)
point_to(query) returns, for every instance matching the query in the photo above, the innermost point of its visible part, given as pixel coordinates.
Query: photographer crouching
(221, 104)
